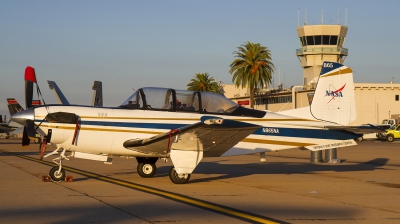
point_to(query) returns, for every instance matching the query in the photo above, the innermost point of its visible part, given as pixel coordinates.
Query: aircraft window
(134, 101)
(158, 98)
(187, 100)
(216, 103)
(168, 102)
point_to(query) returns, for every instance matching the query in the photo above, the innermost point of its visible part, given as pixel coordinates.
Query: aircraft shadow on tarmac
(142, 211)
(265, 168)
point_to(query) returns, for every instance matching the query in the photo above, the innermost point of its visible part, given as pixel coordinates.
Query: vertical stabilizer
(97, 99)
(57, 92)
(334, 98)
(13, 106)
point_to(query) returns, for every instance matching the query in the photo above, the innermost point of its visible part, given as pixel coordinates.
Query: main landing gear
(147, 168)
(178, 178)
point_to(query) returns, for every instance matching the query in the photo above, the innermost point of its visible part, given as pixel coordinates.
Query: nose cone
(22, 116)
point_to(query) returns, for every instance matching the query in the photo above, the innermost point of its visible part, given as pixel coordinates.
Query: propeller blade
(25, 138)
(30, 129)
(30, 78)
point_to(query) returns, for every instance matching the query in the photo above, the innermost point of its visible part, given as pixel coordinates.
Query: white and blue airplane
(185, 126)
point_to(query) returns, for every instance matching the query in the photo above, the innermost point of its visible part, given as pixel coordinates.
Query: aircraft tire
(173, 175)
(37, 140)
(146, 170)
(390, 138)
(55, 175)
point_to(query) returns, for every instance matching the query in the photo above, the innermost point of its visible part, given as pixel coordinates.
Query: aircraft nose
(22, 116)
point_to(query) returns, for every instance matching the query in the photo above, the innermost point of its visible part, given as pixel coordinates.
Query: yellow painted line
(253, 218)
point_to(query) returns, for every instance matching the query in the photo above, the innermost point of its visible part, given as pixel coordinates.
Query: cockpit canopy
(153, 98)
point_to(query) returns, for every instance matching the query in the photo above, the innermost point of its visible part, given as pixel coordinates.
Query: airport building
(319, 43)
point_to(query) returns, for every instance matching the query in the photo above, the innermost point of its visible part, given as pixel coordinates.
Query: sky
(132, 44)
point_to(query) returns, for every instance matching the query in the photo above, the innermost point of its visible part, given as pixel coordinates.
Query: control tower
(319, 43)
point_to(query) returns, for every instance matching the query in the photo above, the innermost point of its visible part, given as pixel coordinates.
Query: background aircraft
(97, 99)
(203, 124)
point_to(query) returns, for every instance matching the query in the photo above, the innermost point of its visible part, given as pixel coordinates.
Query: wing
(212, 135)
(362, 129)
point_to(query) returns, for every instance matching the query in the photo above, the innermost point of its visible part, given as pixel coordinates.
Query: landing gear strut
(57, 173)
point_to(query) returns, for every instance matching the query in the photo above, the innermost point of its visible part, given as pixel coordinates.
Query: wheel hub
(147, 169)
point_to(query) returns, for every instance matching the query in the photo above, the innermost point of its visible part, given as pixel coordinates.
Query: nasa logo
(334, 94)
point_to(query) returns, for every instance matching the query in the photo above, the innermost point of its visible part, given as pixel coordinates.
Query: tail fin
(36, 103)
(97, 99)
(57, 92)
(13, 106)
(334, 98)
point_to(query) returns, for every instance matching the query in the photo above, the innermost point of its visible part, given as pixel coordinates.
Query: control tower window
(310, 40)
(325, 39)
(301, 41)
(333, 40)
(317, 40)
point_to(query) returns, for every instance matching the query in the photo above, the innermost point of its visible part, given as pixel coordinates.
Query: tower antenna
(345, 21)
(298, 17)
(305, 16)
(322, 17)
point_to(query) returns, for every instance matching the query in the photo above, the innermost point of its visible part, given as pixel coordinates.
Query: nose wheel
(57, 173)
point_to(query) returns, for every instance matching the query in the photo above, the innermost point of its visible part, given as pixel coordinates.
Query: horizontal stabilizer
(362, 129)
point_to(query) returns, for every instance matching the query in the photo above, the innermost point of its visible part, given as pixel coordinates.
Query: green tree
(203, 82)
(252, 68)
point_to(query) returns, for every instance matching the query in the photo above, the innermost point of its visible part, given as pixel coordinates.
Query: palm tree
(252, 68)
(203, 82)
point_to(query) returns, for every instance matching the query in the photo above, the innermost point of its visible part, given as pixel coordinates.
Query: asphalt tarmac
(286, 188)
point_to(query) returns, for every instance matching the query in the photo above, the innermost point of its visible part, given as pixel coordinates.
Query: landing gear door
(186, 153)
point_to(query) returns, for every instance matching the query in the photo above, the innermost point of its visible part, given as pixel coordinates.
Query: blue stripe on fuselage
(266, 131)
